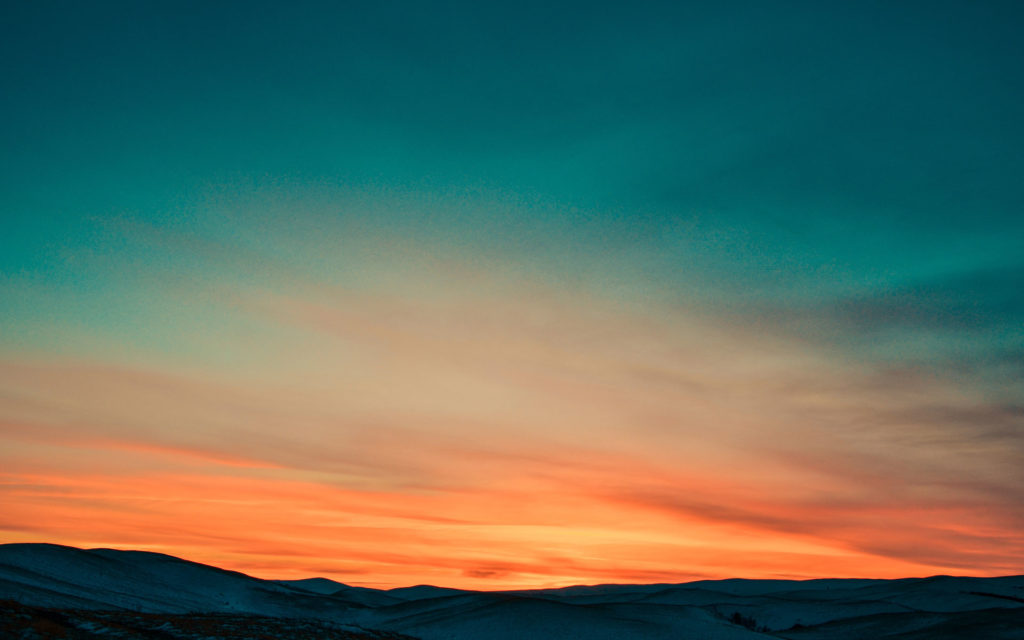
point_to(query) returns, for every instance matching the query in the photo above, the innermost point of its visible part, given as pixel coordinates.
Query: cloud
(978, 300)
(485, 573)
(409, 427)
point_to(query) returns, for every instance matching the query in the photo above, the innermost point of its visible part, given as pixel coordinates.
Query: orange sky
(391, 440)
(546, 527)
(492, 295)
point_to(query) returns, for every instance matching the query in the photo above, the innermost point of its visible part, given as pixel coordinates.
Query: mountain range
(52, 591)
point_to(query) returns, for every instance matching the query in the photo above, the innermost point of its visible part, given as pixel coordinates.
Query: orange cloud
(511, 440)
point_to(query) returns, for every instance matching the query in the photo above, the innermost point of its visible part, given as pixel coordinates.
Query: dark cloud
(966, 328)
(968, 304)
(485, 573)
(878, 527)
(972, 301)
(1003, 424)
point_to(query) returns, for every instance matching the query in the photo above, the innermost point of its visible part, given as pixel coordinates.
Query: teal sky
(798, 163)
(181, 182)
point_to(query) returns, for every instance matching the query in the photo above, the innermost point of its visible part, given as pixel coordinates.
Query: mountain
(356, 595)
(424, 592)
(64, 577)
(322, 586)
(52, 591)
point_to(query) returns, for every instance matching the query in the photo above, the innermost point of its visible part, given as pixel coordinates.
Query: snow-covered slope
(508, 617)
(356, 595)
(65, 578)
(424, 592)
(57, 576)
(323, 586)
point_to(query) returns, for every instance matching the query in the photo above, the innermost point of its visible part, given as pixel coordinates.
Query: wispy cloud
(476, 302)
(474, 440)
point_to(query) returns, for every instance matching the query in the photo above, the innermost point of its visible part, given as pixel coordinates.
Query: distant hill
(424, 591)
(357, 595)
(52, 591)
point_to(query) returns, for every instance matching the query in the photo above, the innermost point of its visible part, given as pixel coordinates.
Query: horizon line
(515, 590)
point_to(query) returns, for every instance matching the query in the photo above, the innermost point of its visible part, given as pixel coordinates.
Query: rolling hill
(52, 591)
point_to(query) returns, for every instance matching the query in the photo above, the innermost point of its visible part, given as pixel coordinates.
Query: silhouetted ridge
(141, 594)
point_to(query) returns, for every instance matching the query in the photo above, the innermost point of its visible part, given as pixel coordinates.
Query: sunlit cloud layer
(475, 428)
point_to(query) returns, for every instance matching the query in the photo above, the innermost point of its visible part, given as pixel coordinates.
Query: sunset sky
(495, 295)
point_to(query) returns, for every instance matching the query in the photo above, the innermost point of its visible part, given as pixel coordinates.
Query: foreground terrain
(51, 591)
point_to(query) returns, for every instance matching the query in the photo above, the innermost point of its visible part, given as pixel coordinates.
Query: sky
(497, 295)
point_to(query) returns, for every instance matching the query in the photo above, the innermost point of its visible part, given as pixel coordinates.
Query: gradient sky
(495, 295)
